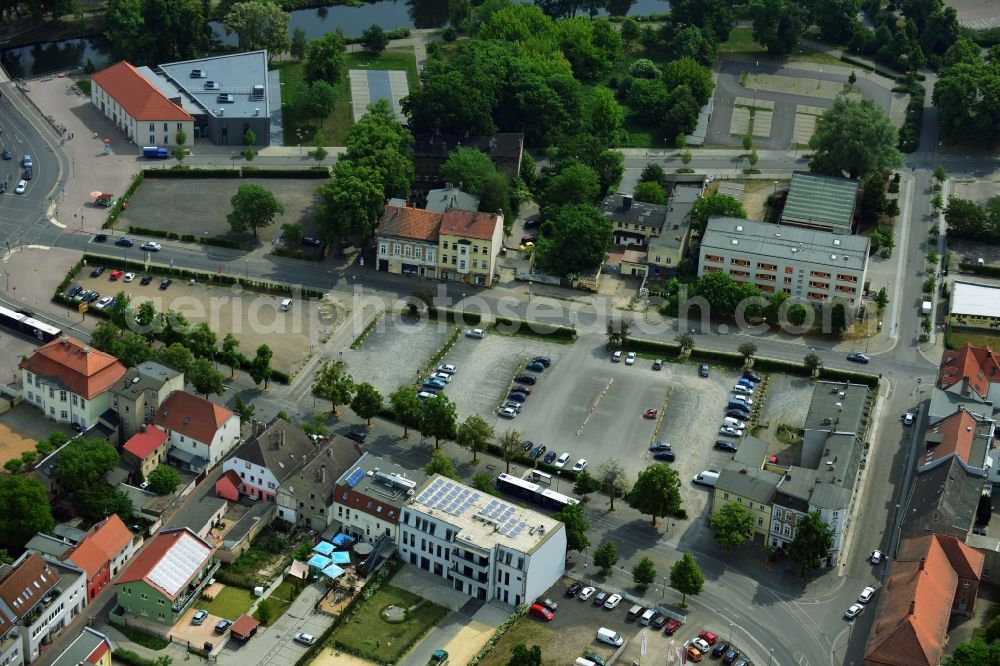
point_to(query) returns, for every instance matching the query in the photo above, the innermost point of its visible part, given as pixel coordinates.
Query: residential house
(370, 495)
(666, 249)
(633, 222)
(41, 596)
(201, 432)
(306, 497)
(472, 242)
(140, 392)
(270, 456)
(90, 647)
(932, 578)
(809, 265)
(482, 545)
(822, 203)
(146, 450)
(450, 198)
(102, 553)
(431, 151)
(166, 578)
(11, 641)
(138, 108)
(745, 482)
(970, 372)
(407, 241)
(69, 381)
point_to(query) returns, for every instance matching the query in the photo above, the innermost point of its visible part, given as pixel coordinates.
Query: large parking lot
(395, 351)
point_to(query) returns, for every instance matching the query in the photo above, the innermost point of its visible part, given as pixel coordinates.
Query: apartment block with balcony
(484, 546)
(369, 497)
(136, 396)
(810, 265)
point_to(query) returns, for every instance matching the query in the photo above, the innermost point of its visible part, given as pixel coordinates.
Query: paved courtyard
(370, 86)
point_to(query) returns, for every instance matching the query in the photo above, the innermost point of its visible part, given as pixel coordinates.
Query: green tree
(685, 341)
(650, 192)
(315, 100)
(148, 321)
(940, 175)
(351, 202)
(731, 525)
(253, 208)
(813, 363)
(378, 141)
(459, 13)
(778, 24)
(714, 204)
(576, 527)
(230, 354)
(812, 542)
(13, 465)
(374, 40)
(367, 401)
(713, 17)
(483, 482)
(882, 299)
(315, 425)
(474, 433)
(260, 366)
(975, 653)
(572, 183)
(686, 577)
(133, 349)
(629, 31)
(84, 462)
(496, 196)
(837, 20)
(653, 173)
(797, 314)
(164, 480)
(644, 573)
(576, 239)
(24, 511)
(606, 115)
(104, 337)
(689, 72)
(611, 474)
(325, 58)
(201, 341)
(291, 234)
(204, 377)
(467, 168)
(605, 557)
(522, 655)
(243, 409)
(437, 418)
(405, 407)
(297, 45)
(657, 492)
(124, 28)
(747, 350)
(176, 356)
(647, 101)
(331, 382)
(838, 318)
(854, 138)
(585, 484)
(259, 25)
(179, 29)
(509, 443)
(441, 464)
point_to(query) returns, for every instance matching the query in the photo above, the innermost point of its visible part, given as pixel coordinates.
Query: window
(152, 139)
(725, 495)
(52, 393)
(383, 248)
(760, 522)
(152, 127)
(444, 258)
(461, 265)
(180, 127)
(418, 253)
(143, 596)
(74, 400)
(407, 251)
(444, 245)
(31, 396)
(396, 248)
(430, 255)
(64, 414)
(160, 601)
(767, 267)
(454, 260)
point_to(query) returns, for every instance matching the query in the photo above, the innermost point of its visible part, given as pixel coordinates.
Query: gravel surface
(395, 352)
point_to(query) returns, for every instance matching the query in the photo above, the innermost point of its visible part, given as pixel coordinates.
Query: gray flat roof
(815, 199)
(837, 407)
(751, 452)
(755, 484)
(975, 299)
(235, 74)
(732, 234)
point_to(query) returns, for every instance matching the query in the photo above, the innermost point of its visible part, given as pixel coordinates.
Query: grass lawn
(959, 336)
(741, 41)
(253, 560)
(333, 130)
(142, 638)
(279, 602)
(361, 632)
(230, 603)
(557, 647)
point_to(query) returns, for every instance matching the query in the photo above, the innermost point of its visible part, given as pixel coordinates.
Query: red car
(649, 414)
(541, 612)
(115, 274)
(708, 636)
(672, 626)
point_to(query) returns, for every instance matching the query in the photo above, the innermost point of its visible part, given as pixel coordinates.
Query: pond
(40, 59)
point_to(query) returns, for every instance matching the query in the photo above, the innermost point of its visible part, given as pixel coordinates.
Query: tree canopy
(576, 526)
(731, 525)
(325, 58)
(714, 204)
(812, 542)
(331, 382)
(686, 576)
(253, 208)
(24, 511)
(367, 401)
(855, 138)
(164, 480)
(656, 492)
(467, 168)
(576, 239)
(259, 25)
(474, 433)
(437, 418)
(778, 24)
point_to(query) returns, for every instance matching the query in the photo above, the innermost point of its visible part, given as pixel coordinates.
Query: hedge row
(453, 316)
(187, 238)
(991, 271)
(181, 171)
(396, 33)
(129, 657)
(871, 68)
(537, 328)
(498, 634)
(909, 134)
(119, 206)
(387, 571)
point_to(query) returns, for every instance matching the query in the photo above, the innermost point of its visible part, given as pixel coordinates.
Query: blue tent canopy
(342, 539)
(323, 548)
(318, 561)
(333, 571)
(341, 557)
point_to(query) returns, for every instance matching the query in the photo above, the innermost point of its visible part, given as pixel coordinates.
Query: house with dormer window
(269, 457)
(201, 433)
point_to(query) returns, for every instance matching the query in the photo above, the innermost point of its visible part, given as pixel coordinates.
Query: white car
(854, 611)
(128, 277)
(616, 357)
(507, 413)
(630, 359)
(21, 186)
(443, 376)
(730, 432)
(742, 389)
(475, 333)
(562, 460)
(151, 246)
(702, 645)
(104, 302)
(580, 465)
(866, 594)
(908, 418)
(423, 395)
(305, 639)
(447, 369)
(586, 593)
(876, 557)
(742, 398)
(613, 601)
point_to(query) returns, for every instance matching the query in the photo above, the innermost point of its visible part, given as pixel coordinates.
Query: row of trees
(967, 94)
(685, 574)
(969, 220)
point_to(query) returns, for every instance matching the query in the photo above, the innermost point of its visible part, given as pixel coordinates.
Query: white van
(742, 389)
(609, 636)
(580, 661)
(286, 305)
(733, 423)
(647, 617)
(707, 478)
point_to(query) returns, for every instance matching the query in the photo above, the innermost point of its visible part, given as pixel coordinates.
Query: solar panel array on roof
(355, 477)
(448, 496)
(179, 564)
(497, 511)
(512, 528)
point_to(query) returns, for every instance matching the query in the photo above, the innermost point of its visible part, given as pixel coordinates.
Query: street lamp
(770, 657)
(663, 588)
(558, 476)
(529, 291)
(247, 269)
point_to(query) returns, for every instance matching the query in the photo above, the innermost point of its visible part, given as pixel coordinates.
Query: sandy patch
(13, 444)
(797, 86)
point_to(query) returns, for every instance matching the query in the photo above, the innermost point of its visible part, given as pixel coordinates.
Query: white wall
(59, 614)
(63, 406)
(547, 564)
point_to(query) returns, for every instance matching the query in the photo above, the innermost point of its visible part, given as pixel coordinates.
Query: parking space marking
(590, 412)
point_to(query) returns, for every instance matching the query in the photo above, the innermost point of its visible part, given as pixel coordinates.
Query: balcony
(480, 578)
(191, 593)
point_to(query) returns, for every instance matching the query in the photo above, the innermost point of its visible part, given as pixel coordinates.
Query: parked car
(859, 358)
(729, 431)
(358, 436)
(708, 637)
(151, 246)
(601, 598)
(222, 626)
(738, 413)
(165, 282)
(660, 446)
(658, 621)
(544, 360)
(613, 601)
(596, 658)
(574, 589)
(73, 291)
(562, 459)
(875, 557)
(752, 376)
(616, 357)
(548, 603)
(541, 612)
(423, 395)
(673, 624)
(725, 445)
(667, 456)
(443, 376)
(535, 366)
(549, 457)
(909, 418)
(742, 399)
(527, 445)
(91, 297)
(115, 274)
(124, 241)
(304, 638)
(146, 279)
(526, 379)
(742, 389)
(104, 302)
(730, 655)
(101, 238)
(477, 333)
(658, 364)
(22, 185)
(537, 451)
(630, 359)
(199, 617)
(128, 277)
(866, 594)
(7, 155)
(586, 593)
(528, 239)
(517, 388)
(649, 414)
(96, 271)
(447, 368)
(516, 397)
(580, 465)
(516, 406)
(507, 413)
(720, 648)
(854, 611)
(694, 654)
(703, 370)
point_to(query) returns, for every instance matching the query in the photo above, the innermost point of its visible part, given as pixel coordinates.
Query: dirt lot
(395, 352)
(200, 207)
(22, 427)
(253, 318)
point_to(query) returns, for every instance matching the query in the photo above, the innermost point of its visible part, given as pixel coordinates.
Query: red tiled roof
(27, 584)
(81, 370)
(244, 626)
(140, 98)
(470, 225)
(141, 444)
(406, 222)
(100, 546)
(159, 548)
(915, 603)
(989, 361)
(191, 416)
(228, 486)
(961, 364)
(965, 560)
(956, 432)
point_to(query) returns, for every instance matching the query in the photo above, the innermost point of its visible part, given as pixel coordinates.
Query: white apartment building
(201, 432)
(817, 266)
(486, 547)
(370, 495)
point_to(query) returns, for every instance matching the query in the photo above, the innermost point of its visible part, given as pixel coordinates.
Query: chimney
(922, 562)
(321, 474)
(913, 607)
(281, 439)
(743, 470)
(626, 202)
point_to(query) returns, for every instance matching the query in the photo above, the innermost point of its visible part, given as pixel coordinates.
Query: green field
(367, 635)
(741, 42)
(279, 602)
(957, 337)
(333, 130)
(230, 603)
